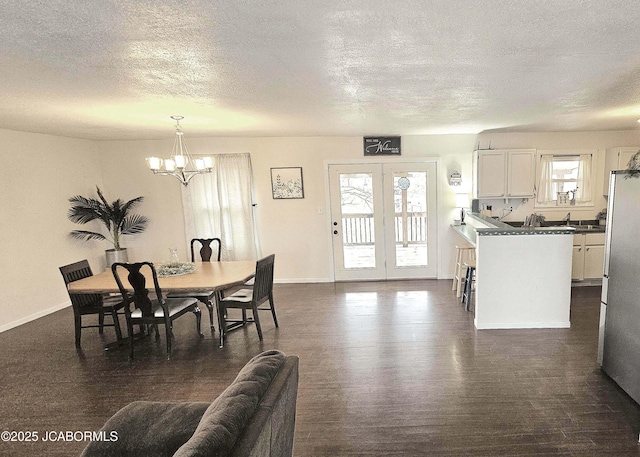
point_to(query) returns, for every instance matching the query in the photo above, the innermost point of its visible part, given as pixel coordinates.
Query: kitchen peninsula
(523, 274)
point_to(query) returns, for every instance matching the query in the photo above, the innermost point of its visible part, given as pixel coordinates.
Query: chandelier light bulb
(154, 163)
(180, 161)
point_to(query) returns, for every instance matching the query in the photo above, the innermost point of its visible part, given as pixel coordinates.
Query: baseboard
(587, 283)
(301, 280)
(33, 317)
(521, 325)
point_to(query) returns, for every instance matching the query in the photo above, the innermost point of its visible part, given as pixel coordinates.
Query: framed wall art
(287, 183)
(381, 145)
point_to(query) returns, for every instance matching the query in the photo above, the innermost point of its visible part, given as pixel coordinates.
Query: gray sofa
(254, 416)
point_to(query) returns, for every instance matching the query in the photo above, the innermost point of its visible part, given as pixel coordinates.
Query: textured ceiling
(120, 69)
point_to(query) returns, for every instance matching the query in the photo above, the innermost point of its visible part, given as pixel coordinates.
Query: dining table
(214, 276)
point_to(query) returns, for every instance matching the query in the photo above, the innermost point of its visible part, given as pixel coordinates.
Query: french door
(383, 220)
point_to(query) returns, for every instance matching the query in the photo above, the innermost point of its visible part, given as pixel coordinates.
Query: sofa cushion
(152, 429)
(225, 419)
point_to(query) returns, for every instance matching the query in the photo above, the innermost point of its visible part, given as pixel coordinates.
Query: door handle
(335, 232)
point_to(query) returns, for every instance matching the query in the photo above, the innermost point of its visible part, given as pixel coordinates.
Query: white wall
(292, 229)
(39, 174)
(35, 191)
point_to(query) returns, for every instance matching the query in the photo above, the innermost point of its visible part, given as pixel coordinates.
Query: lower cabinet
(588, 256)
(577, 264)
(593, 260)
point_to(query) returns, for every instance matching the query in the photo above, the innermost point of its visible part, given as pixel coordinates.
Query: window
(564, 180)
(220, 204)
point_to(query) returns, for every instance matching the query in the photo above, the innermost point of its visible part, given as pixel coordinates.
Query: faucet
(567, 218)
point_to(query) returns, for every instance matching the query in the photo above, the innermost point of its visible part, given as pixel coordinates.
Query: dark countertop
(498, 228)
(591, 226)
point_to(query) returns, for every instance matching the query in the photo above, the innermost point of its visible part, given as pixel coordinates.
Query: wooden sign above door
(381, 145)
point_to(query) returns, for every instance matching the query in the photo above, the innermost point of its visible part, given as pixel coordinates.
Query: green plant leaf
(115, 216)
(87, 235)
(133, 224)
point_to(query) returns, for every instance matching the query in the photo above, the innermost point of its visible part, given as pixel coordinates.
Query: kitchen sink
(582, 228)
(594, 228)
(589, 228)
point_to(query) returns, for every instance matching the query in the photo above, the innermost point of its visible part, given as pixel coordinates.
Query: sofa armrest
(225, 421)
(271, 429)
(152, 429)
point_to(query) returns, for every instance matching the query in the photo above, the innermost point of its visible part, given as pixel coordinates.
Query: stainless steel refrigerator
(620, 308)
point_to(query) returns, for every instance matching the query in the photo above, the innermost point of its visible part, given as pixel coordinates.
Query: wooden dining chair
(250, 299)
(86, 304)
(205, 248)
(141, 310)
(204, 296)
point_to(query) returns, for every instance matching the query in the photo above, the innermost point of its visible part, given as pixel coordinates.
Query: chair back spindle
(75, 272)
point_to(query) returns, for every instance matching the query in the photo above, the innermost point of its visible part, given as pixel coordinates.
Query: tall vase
(114, 256)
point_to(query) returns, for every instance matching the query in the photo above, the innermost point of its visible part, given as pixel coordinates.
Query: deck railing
(357, 229)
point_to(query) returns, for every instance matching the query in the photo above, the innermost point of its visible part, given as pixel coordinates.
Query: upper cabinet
(491, 174)
(504, 173)
(616, 159)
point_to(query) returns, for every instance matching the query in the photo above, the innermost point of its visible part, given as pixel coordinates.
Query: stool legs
(457, 272)
(462, 254)
(468, 282)
(464, 287)
(459, 288)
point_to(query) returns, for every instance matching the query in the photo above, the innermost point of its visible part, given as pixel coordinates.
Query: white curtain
(583, 194)
(220, 204)
(545, 182)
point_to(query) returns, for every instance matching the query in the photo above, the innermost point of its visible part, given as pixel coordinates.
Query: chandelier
(181, 165)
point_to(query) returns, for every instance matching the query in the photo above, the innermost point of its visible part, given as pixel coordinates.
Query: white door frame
(431, 269)
(365, 273)
(384, 160)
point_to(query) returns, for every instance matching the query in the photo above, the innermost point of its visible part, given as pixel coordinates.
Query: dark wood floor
(386, 368)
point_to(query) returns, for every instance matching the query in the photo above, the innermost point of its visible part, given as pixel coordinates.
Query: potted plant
(634, 165)
(602, 217)
(534, 220)
(115, 216)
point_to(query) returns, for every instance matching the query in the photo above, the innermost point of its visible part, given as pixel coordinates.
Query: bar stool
(463, 252)
(468, 282)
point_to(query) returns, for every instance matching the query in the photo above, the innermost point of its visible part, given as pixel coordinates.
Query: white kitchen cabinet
(492, 170)
(593, 260)
(616, 159)
(504, 173)
(577, 264)
(588, 256)
(521, 173)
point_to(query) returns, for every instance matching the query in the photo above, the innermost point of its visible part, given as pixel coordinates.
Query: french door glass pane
(356, 202)
(410, 221)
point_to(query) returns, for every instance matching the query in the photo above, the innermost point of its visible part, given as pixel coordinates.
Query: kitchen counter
(523, 275)
(479, 225)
